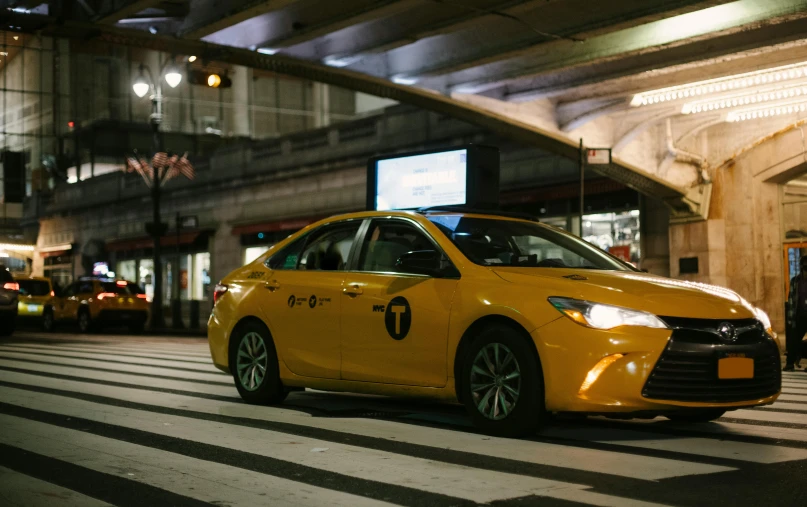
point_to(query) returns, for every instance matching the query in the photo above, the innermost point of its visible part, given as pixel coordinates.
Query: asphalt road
(122, 420)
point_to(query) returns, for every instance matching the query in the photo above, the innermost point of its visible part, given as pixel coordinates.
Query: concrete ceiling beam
(738, 23)
(379, 10)
(126, 11)
(540, 29)
(215, 16)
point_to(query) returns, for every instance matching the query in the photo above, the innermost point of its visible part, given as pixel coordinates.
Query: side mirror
(421, 262)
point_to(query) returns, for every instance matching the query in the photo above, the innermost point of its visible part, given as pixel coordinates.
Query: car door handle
(352, 290)
(272, 286)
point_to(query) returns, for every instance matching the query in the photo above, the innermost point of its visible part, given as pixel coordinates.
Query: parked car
(35, 294)
(8, 302)
(92, 302)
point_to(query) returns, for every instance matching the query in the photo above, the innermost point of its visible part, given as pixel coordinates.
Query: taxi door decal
(398, 318)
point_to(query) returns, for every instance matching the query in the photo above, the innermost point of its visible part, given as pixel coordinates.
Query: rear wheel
(253, 363)
(502, 383)
(7, 326)
(704, 415)
(85, 324)
(47, 319)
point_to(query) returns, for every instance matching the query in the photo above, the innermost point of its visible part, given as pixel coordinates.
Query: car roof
(35, 278)
(426, 212)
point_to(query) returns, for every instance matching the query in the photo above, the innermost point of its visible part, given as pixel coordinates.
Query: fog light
(599, 368)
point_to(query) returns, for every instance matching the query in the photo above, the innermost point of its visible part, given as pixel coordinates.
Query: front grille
(687, 369)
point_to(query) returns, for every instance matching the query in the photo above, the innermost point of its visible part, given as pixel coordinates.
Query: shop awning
(55, 250)
(143, 242)
(592, 187)
(289, 224)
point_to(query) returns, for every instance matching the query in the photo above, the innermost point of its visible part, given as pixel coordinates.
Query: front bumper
(570, 355)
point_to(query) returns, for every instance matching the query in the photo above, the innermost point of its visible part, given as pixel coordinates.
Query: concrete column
(225, 253)
(655, 234)
(740, 246)
(321, 105)
(239, 112)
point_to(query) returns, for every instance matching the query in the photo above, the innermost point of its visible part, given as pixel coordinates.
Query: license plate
(735, 367)
(33, 308)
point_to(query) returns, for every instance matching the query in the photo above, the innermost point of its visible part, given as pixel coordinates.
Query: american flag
(183, 165)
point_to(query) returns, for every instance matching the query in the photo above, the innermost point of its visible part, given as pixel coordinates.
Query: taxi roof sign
(465, 175)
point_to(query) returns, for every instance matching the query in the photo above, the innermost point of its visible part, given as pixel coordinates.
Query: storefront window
(253, 252)
(201, 276)
(127, 270)
(146, 277)
(617, 233)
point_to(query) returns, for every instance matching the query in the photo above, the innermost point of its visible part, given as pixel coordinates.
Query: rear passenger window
(329, 247)
(288, 256)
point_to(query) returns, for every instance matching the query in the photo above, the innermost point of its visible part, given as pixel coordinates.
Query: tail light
(121, 283)
(144, 296)
(102, 295)
(218, 291)
(11, 286)
(52, 293)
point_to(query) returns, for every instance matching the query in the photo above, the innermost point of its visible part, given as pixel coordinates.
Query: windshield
(34, 287)
(499, 242)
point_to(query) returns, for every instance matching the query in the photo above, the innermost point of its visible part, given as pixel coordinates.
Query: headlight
(766, 321)
(600, 316)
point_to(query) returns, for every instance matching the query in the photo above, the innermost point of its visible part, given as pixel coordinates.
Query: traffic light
(209, 79)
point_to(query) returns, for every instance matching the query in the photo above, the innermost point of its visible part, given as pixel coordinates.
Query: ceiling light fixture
(758, 96)
(766, 112)
(786, 73)
(404, 80)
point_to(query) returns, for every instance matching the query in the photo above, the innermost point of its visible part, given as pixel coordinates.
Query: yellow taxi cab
(94, 302)
(34, 295)
(513, 318)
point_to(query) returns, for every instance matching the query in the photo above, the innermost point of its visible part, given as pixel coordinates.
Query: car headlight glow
(600, 316)
(764, 319)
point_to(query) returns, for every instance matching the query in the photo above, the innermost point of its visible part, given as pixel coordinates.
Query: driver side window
(386, 241)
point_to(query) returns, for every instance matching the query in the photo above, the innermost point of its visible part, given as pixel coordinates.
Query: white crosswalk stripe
(159, 416)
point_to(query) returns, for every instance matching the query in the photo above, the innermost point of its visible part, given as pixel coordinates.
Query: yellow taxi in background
(35, 294)
(92, 303)
(513, 318)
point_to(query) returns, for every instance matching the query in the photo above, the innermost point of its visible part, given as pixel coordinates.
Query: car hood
(641, 291)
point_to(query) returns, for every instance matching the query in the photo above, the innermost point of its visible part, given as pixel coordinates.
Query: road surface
(123, 420)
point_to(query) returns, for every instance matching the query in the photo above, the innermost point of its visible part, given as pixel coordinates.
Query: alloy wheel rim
(495, 381)
(83, 321)
(252, 361)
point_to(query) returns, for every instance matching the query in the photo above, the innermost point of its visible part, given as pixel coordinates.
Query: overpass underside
(701, 104)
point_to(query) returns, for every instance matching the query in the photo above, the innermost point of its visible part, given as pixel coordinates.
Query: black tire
(84, 321)
(269, 390)
(699, 416)
(48, 322)
(8, 326)
(527, 412)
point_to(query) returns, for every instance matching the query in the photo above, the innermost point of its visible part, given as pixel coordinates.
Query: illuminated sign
(466, 176)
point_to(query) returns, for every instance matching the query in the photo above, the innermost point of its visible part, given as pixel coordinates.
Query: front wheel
(699, 416)
(502, 383)
(253, 363)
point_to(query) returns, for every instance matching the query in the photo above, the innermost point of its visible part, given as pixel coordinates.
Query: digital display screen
(417, 181)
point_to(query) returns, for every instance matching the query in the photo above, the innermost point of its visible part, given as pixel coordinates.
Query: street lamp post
(144, 83)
